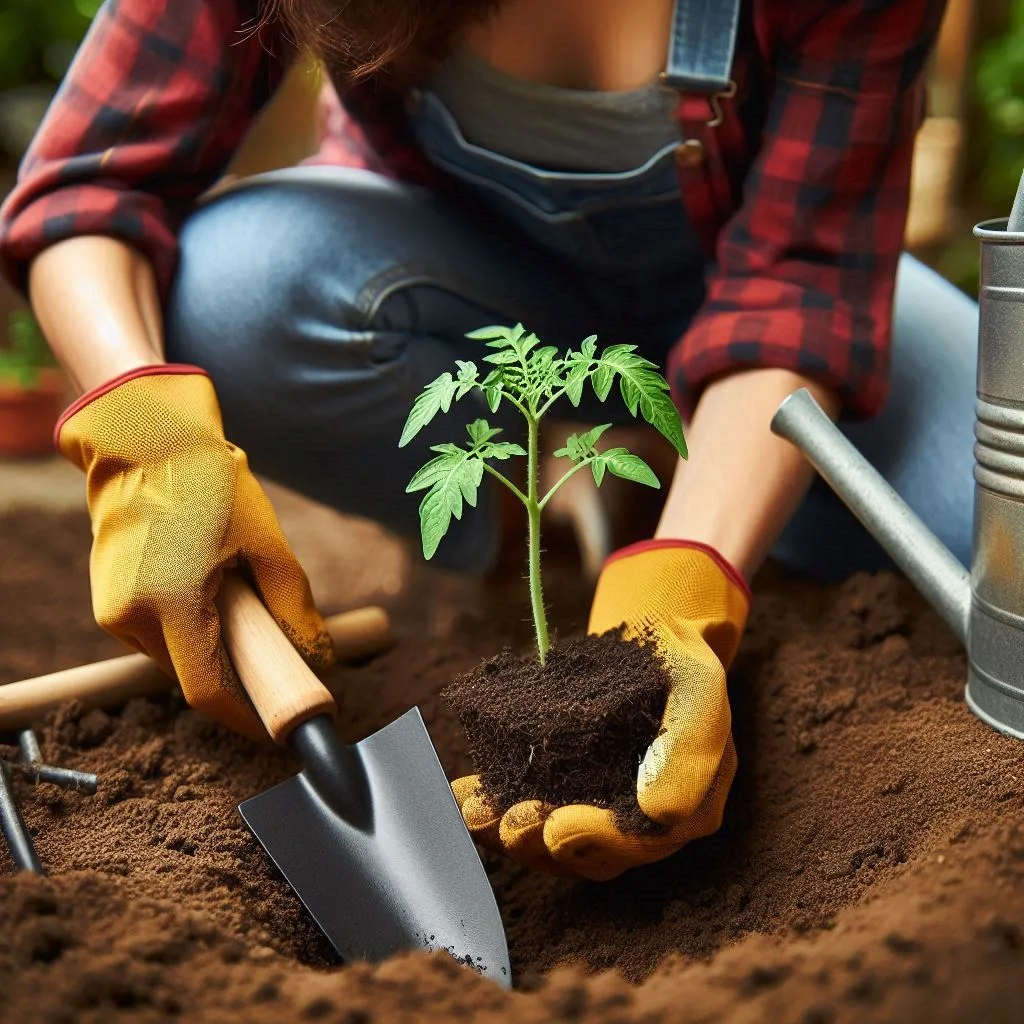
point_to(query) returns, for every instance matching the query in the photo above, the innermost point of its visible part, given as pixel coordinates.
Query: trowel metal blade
(404, 876)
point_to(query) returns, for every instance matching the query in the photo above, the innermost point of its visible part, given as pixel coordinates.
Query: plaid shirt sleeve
(805, 268)
(154, 106)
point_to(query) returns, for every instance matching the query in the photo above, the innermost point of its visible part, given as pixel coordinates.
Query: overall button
(690, 153)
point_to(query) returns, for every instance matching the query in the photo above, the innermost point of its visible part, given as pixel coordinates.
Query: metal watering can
(985, 608)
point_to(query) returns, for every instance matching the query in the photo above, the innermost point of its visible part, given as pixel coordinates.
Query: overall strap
(701, 47)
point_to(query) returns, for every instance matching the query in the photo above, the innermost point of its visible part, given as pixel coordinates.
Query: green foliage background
(38, 38)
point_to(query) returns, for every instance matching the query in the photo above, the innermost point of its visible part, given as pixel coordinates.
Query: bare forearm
(97, 302)
(741, 483)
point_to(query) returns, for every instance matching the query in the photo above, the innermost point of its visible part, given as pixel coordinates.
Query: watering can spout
(911, 545)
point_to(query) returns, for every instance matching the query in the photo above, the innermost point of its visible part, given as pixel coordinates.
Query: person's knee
(245, 264)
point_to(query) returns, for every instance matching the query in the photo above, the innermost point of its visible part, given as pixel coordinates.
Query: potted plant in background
(31, 389)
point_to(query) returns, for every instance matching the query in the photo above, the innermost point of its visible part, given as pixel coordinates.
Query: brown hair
(359, 38)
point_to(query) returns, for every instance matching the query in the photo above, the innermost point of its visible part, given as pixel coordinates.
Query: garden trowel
(369, 834)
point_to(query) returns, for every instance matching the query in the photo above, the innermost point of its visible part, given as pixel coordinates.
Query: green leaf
(630, 467)
(589, 346)
(493, 386)
(436, 397)
(542, 360)
(490, 333)
(480, 431)
(597, 467)
(591, 437)
(581, 446)
(467, 377)
(526, 344)
(454, 479)
(643, 390)
(575, 380)
(603, 378)
(502, 358)
(501, 450)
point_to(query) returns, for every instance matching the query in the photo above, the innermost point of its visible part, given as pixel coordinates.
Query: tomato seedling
(532, 377)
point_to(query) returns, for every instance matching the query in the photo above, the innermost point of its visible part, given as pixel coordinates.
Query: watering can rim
(995, 230)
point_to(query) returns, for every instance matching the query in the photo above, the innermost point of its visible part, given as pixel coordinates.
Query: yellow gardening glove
(173, 504)
(695, 605)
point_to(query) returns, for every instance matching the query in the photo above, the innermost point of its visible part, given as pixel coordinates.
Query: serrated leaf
(643, 390)
(526, 344)
(467, 377)
(502, 358)
(501, 450)
(542, 361)
(628, 466)
(493, 396)
(574, 382)
(489, 333)
(480, 431)
(427, 475)
(590, 438)
(436, 397)
(603, 378)
(454, 479)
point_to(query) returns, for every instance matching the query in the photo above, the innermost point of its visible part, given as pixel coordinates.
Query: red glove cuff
(652, 545)
(140, 371)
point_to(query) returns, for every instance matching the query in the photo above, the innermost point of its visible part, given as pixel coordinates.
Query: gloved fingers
(205, 673)
(587, 842)
(522, 837)
(707, 819)
(681, 763)
(481, 818)
(281, 581)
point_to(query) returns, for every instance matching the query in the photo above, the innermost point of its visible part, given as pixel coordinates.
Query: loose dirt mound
(871, 866)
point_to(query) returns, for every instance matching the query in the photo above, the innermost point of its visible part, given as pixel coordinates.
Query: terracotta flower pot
(28, 416)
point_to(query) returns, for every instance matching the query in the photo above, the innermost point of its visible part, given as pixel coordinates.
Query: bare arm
(97, 302)
(741, 483)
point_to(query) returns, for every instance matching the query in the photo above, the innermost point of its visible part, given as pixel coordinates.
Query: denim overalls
(321, 300)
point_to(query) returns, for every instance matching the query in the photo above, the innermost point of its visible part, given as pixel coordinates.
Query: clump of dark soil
(573, 730)
(870, 867)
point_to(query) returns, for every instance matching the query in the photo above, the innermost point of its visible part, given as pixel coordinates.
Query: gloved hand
(173, 504)
(695, 605)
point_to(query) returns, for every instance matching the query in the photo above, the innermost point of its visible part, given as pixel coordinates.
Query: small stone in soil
(571, 731)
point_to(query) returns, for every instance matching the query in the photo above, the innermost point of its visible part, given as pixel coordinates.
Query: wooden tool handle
(280, 684)
(105, 684)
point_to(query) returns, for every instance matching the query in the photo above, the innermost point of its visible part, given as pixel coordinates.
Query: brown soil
(570, 731)
(871, 866)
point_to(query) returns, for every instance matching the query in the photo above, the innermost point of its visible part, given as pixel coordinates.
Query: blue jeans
(321, 301)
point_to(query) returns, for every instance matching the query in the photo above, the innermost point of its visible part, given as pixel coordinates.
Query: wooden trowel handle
(283, 688)
(105, 684)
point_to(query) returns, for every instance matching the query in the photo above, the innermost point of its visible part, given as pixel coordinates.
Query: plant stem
(533, 510)
(565, 479)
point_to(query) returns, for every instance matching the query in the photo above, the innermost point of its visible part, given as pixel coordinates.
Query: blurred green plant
(38, 38)
(26, 352)
(999, 88)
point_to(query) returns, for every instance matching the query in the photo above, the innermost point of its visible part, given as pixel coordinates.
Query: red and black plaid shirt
(801, 198)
